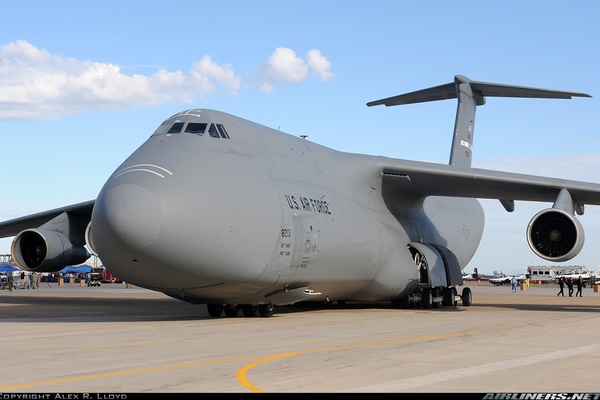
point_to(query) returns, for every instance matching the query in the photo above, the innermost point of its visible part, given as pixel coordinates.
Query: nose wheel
(232, 310)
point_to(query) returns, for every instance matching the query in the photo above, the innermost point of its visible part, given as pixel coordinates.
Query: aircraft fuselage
(234, 212)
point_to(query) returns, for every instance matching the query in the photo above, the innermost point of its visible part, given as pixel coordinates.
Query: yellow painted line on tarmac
(241, 375)
(121, 373)
(243, 372)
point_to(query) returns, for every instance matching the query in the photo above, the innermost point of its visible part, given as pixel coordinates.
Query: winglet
(470, 94)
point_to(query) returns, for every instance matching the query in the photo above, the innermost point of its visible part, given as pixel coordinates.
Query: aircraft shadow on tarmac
(37, 309)
(90, 309)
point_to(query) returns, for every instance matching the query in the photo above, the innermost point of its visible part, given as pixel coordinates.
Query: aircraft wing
(14, 226)
(419, 179)
(591, 280)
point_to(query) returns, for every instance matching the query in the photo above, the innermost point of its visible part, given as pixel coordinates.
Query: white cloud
(38, 85)
(319, 64)
(35, 84)
(206, 70)
(284, 67)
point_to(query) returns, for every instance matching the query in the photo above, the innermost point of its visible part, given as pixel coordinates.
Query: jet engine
(555, 235)
(45, 250)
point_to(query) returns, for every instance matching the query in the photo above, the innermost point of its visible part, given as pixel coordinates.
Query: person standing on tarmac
(570, 286)
(561, 285)
(35, 280)
(513, 281)
(11, 281)
(579, 284)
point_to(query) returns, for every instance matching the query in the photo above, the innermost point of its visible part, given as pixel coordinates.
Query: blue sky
(83, 84)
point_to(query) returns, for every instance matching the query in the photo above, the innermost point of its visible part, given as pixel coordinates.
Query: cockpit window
(217, 131)
(176, 128)
(196, 127)
(222, 131)
(212, 131)
(161, 129)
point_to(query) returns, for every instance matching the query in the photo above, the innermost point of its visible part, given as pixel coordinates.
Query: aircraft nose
(128, 214)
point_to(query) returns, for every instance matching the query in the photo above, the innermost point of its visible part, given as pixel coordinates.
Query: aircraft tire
(265, 310)
(214, 310)
(249, 310)
(231, 311)
(427, 299)
(467, 297)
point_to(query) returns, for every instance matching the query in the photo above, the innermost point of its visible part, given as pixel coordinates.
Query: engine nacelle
(44, 250)
(555, 235)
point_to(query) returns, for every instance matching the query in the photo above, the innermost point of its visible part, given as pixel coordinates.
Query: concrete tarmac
(118, 339)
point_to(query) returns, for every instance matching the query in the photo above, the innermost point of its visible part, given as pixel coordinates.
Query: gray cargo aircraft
(214, 209)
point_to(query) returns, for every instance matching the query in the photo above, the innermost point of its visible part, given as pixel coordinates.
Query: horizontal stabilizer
(480, 89)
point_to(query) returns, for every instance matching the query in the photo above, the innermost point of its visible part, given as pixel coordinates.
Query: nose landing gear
(232, 310)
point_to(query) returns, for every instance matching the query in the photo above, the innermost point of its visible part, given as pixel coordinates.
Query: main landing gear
(434, 297)
(233, 310)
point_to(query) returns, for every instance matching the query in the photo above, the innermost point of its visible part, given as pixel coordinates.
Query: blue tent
(82, 269)
(7, 268)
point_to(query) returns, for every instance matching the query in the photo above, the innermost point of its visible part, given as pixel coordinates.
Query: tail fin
(470, 94)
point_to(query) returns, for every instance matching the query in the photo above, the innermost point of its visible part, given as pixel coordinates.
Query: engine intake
(44, 250)
(555, 235)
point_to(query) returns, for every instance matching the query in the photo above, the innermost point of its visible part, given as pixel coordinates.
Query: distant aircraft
(503, 279)
(214, 209)
(499, 279)
(472, 276)
(467, 277)
(586, 276)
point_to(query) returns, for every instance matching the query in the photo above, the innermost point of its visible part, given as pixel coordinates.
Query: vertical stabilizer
(464, 125)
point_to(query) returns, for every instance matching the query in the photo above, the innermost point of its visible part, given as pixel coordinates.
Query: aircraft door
(284, 254)
(298, 242)
(305, 244)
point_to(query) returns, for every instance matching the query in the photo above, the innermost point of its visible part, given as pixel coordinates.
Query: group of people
(570, 282)
(26, 281)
